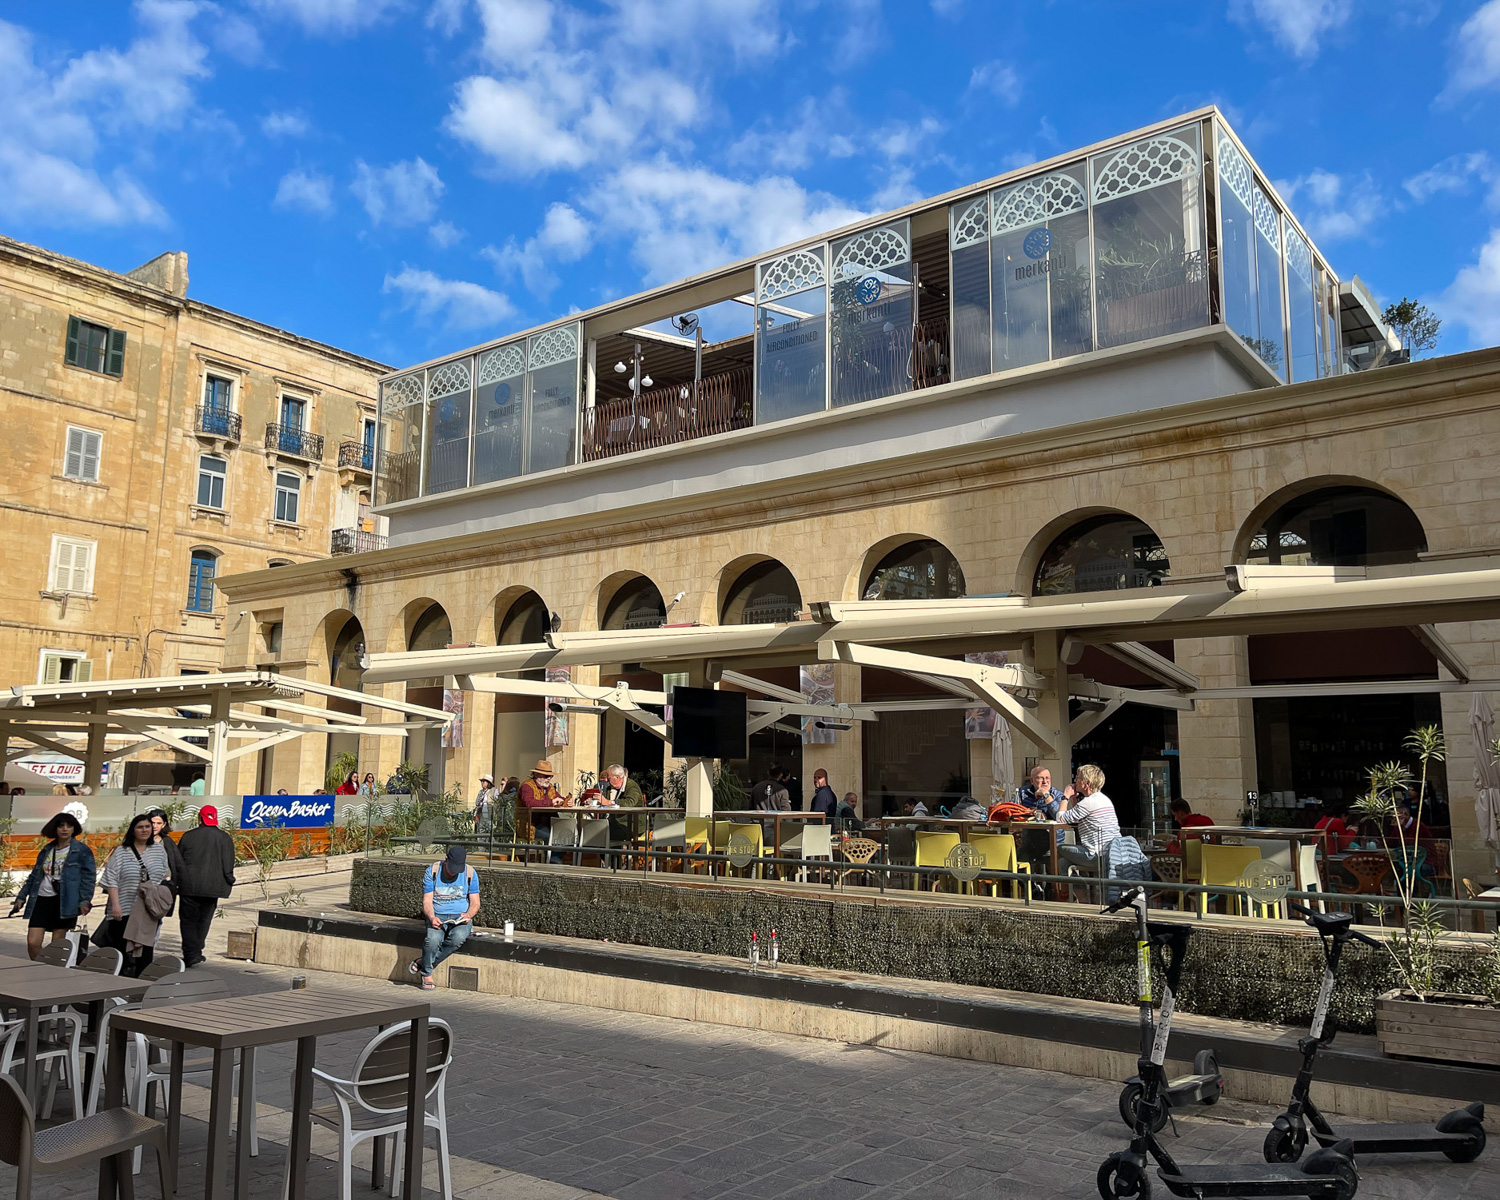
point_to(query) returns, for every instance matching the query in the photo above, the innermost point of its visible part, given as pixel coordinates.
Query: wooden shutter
(52, 668)
(71, 354)
(72, 567)
(82, 459)
(83, 671)
(91, 455)
(114, 360)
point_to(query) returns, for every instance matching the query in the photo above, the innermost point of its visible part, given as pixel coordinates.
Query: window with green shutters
(95, 347)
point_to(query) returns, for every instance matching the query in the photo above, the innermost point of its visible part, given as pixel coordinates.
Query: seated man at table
(1092, 815)
(1184, 818)
(540, 792)
(846, 815)
(622, 791)
(1038, 794)
(450, 901)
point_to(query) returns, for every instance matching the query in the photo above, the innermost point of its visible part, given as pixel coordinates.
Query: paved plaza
(553, 1102)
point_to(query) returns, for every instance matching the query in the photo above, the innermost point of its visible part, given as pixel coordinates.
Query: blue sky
(406, 177)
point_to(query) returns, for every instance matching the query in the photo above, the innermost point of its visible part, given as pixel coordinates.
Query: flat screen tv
(708, 723)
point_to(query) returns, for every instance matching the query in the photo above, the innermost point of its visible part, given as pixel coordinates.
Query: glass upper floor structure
(1153, 235)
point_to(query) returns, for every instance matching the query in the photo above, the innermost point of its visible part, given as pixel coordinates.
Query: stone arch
(624, 601)
(1327, 521)
(756, 589)
(520, 616)
(399, 637)
(909, 565)
(1096, 551)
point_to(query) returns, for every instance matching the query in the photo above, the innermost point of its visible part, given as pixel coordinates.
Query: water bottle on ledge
(775, 951)
(754, 950)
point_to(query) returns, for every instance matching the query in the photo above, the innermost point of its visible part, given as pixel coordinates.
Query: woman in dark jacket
(60, 888)
(161, 827)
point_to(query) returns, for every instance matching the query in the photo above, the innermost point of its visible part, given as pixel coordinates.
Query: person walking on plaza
(139, 863)
(1092, 815)
(823, 798)
(200, 785)
(450, 902)
(207, 877)
(60, 888)
(485, 800)
(161, 827)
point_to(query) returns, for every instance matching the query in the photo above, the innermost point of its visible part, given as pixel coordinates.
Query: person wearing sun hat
(206, 877)
(540, 792)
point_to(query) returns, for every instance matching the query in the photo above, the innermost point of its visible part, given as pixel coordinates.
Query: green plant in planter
(339, 769)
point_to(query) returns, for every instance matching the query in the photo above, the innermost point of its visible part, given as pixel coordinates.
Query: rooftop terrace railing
(668, 415)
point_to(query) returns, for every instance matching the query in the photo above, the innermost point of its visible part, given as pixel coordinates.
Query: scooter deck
(1248, 1179)
(1412, 1138)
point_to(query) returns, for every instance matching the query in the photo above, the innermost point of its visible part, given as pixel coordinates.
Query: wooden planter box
(1449, 1027)
(241, 944)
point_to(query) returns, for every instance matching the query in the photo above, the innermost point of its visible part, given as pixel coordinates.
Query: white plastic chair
(593, 835)
(371, 1103)
(57, 1042)
(813, 840)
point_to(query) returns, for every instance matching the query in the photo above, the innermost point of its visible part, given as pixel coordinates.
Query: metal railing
(219, 422)
(356, 454)
(289, 439)
(354, 541)
(667, 415)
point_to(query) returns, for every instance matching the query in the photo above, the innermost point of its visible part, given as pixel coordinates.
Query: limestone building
(152, 444)
(1110, 427)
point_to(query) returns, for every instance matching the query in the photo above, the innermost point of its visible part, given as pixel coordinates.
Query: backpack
(1008, 810)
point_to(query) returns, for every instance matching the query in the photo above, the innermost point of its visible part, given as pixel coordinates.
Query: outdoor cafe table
(245, 1023)
(1012, 827)
(742, 816)
(31, 987)
(635, 813)
(1296, 839)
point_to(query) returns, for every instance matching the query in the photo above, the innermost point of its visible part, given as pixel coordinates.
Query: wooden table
(1012, 827)
(245, 1023)
(1296, 838)
(747, 816)
(9, 962)
(31, 987)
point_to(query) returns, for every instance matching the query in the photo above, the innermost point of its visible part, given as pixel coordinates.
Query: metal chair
(108, 1134)
(371, 1103)
(857, 852)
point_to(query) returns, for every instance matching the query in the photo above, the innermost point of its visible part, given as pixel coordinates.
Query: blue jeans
(437, 944)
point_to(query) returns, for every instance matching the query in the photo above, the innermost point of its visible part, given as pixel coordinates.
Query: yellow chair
(1223, 866)
(932, 851)
(1192, 867)
(998, 851)
(755, 831)
(696, 839)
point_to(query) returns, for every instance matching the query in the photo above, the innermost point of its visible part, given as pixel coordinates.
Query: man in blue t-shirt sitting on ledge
(450, 901)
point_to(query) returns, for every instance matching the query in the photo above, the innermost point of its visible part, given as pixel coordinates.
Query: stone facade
(133, 616)
(1201, 475)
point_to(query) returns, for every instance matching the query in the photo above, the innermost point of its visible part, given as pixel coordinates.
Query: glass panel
(871, 309)
(1039, 267)
(553, 357)
(498, 411)
(448, 427)
(1339, 527)
(1270, 346)
(211, 473)
(1331, 327)
(1236, 214)
(1302, 303)
(399, 464)
(1148, 238)
(1102, 554)
(968, 240)
(791, 322)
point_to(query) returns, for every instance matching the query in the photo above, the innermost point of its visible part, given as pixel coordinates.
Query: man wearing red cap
(206, 877)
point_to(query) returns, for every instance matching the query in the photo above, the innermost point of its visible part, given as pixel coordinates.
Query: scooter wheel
(1121, 1179)
(1130, 1099)
(1472, 1148)
(1284, 1145)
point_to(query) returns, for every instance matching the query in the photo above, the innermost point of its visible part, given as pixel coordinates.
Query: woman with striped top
(138, 858)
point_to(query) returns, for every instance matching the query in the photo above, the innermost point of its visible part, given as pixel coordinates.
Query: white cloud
(404, 193)
(446, 16)
(1297, 25)
(1473, 298)
(60, 118)
(456, 303)
(564, 236)
(861, 31)
(1477, 61)
(445, 234)
(1454, 174)
(1331, 207)
(305, 191)
(236, 37)
(285, 125)
(947, 8)
(331, 18)
(997, 79)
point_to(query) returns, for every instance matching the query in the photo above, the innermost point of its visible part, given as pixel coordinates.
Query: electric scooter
(1459, 1135)
(1328, 1174)
(1206, 1084)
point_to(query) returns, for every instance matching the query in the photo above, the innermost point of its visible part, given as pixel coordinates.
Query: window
(62, 666)
(288, 496)
(1339, 527)
(201, 570)
(293, 412)
(72, 566)
(211, 475)
(217, 393)
(918, 570)
(81, 460)
(95, 347)
(1102, 554)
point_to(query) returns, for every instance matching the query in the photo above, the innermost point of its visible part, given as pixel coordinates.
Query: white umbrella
(1486, 771)
(18, 776)
(1002, 758)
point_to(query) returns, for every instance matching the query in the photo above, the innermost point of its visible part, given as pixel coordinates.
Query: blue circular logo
(1037, 243)
(502, 393)
(867, 290)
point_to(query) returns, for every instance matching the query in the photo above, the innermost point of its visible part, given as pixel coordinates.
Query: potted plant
(1418, 1019)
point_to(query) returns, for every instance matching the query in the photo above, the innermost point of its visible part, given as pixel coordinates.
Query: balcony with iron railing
(355, 541)
(356, 455)
(217, 422)
(294, 442)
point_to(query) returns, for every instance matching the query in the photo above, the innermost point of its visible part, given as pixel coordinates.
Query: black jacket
(823, 801)
(207, 863)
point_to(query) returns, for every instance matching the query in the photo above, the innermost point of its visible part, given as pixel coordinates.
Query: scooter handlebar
(1307, 913)
(1125, 901)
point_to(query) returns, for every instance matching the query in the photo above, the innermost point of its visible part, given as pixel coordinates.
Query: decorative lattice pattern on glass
(794, 272)
(1234, 171)
(1036, 200)
(401, 393)
(971, 223)
(554, 346)
(504, 363)
(1265, 219)
(448, 379)
(1145, 165)
(1298, 256)
(873, 250)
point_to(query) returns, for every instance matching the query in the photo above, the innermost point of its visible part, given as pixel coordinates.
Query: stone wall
(1249, 974)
